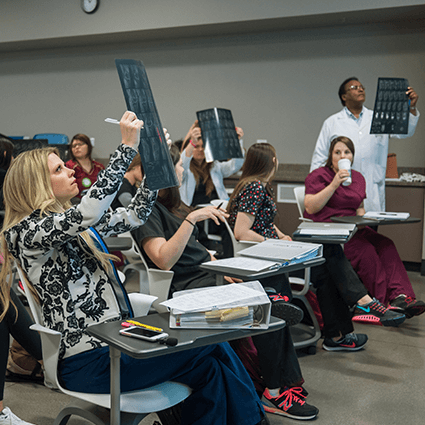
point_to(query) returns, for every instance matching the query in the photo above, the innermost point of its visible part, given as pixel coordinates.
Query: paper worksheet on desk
(383, 215)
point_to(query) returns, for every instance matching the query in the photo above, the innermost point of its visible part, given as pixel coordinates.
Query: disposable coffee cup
(345, 164)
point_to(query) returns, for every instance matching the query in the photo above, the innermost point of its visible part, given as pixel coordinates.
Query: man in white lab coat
(354, 121)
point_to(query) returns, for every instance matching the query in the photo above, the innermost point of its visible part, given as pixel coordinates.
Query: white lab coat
(371, 151)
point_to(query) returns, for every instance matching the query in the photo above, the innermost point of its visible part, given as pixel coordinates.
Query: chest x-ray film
(219, 134)
(153, 149)
(391, 112)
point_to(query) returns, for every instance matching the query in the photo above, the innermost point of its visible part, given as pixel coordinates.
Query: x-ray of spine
(219, 134)
(153, 148)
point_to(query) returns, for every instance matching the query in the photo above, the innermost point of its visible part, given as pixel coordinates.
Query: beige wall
(280, 84)
(44, 19)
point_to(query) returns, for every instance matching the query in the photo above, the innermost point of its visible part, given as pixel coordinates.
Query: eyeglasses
(356, 87)
(77, 145)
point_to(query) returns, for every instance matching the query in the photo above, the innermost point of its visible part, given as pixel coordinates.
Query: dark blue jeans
(222, 391)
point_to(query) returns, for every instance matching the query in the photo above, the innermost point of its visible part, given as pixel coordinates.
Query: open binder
(283, 252)
(229, 306)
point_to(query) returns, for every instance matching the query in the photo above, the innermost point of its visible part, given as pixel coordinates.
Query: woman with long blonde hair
(53, 243)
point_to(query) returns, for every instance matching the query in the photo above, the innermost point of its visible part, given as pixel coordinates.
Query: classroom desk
(360, 221)
(188, 338)
(304, 336)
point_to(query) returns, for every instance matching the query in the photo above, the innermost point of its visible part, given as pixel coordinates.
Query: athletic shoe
(290, 403)
(283, 309)
(407, 305)
(8, 418)
(349, 342)
(375, 313)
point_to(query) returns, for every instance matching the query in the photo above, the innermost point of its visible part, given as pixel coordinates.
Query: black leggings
(337, 287)
(17, 326)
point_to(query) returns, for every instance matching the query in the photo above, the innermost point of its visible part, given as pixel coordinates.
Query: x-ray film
(391, 112)
(219, 134)
(153, 149)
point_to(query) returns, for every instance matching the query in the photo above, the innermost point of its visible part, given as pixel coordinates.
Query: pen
(220, 206)
(112, 120)
(152, 328)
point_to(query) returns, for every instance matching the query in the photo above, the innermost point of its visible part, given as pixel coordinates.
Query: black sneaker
(349, 342)
(407, 305)
(283, 309)
(290, 403)
(376, 313)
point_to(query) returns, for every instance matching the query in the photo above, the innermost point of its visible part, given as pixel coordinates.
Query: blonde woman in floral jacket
(51, 241)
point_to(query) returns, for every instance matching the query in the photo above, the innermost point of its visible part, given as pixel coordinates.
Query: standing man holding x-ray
(371, 150)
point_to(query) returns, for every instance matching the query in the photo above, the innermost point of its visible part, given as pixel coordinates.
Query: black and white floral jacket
(73, 287)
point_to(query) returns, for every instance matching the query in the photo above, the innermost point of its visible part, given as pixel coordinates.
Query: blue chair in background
(53, 138)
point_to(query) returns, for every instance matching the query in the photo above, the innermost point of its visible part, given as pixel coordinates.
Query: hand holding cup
(345, 164)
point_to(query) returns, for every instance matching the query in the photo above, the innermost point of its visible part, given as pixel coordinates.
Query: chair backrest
(299, 192)
(53, 138)
(237, 245)
(158, 281)
(49, 342)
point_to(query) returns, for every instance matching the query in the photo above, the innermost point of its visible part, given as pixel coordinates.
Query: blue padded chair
(53, 138)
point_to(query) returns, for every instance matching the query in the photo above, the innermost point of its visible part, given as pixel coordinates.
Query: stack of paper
(227, 306)
(324, 231)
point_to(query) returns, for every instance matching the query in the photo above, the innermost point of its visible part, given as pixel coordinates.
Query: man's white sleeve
(320, 154)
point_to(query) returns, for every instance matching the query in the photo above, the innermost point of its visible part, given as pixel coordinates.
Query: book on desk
(321, 232)
(269, 255)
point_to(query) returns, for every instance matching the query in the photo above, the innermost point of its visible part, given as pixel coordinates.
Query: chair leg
(95, 414)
